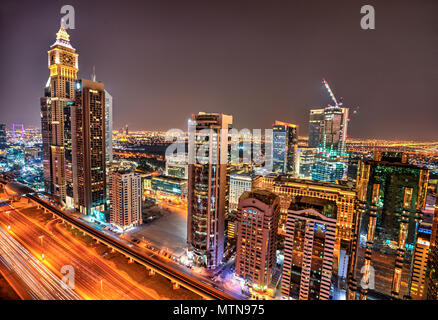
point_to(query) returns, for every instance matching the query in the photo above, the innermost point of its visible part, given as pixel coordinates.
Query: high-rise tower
(315, 124)
(88, 147)
(208, 185)
(284, 147)
(392, 195)
(258, 216)
(55, 114)
(309, 248)
(125, 195)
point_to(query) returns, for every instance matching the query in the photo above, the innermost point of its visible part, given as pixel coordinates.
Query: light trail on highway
(41, 283)
(94, 279)
(199, 286)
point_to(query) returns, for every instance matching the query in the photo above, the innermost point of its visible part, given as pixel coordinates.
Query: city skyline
(236, 201)
(183, 71)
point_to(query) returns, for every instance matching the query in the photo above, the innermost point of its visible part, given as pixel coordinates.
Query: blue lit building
(330, 165)
(284, 147)
(331, 159)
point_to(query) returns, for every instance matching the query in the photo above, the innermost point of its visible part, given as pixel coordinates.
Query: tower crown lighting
(62, 37)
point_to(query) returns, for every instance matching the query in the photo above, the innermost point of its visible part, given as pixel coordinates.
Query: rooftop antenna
(93, 76)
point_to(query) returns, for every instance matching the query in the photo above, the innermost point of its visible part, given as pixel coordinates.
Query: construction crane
(338, 104)
(330, 92)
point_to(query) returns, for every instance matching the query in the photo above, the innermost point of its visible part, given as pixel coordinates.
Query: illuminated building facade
(108, 127)
(88, 145)
(3, 142)
(306, 160)
(240, 182)
(257, 225)
(334, 128)
(177, 167)
(125, 195)
(169, 185)
(284, 147)
(315, 124)
(331, 158)
(309, 249)
(329, 165)
(392, 195)
(55, 112)
(432, 262)
(344, 195)
(208, 187)
(419, 265)
(231, 227)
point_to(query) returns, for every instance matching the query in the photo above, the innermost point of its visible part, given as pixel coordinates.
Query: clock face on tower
(67, 59)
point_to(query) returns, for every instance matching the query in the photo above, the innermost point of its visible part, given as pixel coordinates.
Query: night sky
(260, 61)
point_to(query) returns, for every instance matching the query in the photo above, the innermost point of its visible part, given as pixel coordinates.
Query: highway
(94, 278)
(163, 268)
(36, 279)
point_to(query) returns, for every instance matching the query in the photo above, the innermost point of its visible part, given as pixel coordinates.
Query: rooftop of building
(327, 207)
(281, 123)
(392, 159)
(241, 173)
(339, 184)
(386, 163)
(264, 196)
(169, 179)
(14, 188)
(123, 167)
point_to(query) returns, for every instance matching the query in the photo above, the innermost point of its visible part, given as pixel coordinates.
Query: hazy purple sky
(260, 61)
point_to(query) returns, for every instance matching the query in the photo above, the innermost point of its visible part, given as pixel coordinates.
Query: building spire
(93, 75)
(62, 37)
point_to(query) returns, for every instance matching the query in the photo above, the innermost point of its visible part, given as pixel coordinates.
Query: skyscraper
(257, 227)
(88, 145)
(125, 195)
(55, 112)
(309, 249)
(315, 124)
(284, 147)
(208, 184)
(331, 157)
(419, 264)
(334, 128)
(343, 194)
(108, 127)
(392, 194)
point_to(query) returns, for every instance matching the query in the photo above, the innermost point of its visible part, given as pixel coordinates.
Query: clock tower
(56, 116)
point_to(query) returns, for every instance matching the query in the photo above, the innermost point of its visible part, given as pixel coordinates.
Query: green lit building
(169, 185)
(392, 195)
